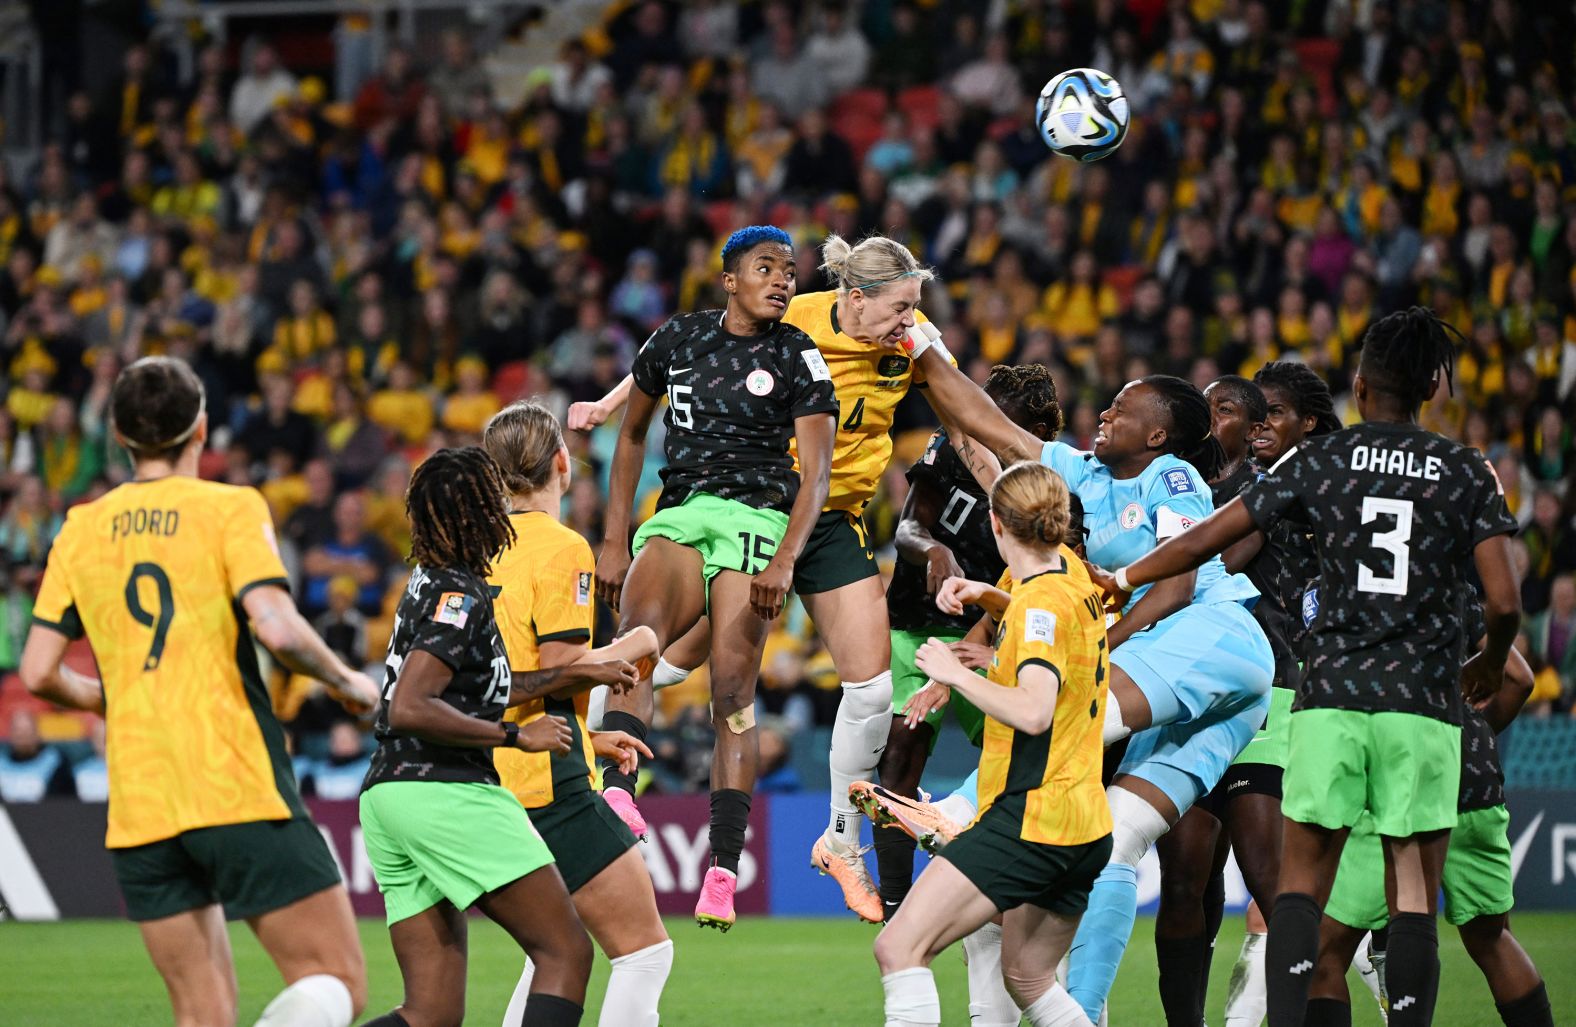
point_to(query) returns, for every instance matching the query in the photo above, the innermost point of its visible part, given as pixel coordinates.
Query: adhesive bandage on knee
(319, 1000)
(634, 989)
(1114, 730)
(859, 735)
(1135, 826)
(667, 675)
(741, 721)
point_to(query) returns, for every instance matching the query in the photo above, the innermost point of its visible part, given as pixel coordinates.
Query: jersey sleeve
(931, 467)
(810, 389)
(1177, 498)
(1279, 493)
(1070, 463)
(561, 608)
(251, 552)
(446, 621)
(650, 369)
(1036, 637)
(1490, 515)
(56, 605)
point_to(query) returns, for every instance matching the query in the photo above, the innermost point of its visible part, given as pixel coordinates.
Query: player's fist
(1481, 679)
(957, 592)
(1105, 581)
(621, 748)
(618, 675)
(940, 564)
(939, 663)
(925, 702)
(612, 567)
(585, 416)
(769, 588)
(973, 655)
(546, 734)
(358, 694)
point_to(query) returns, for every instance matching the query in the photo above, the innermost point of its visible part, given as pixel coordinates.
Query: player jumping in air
(168, 577)
(1396, 512)
(1044, 832)
(544, 598)
(733, 519)
(1477, 878)
(859, 329)
(440, 832)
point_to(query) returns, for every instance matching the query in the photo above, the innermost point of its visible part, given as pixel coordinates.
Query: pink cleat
(715, 908)
(624, 805)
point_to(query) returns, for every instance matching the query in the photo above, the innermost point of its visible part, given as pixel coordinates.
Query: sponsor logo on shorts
(759, 382)
(1132, 516)
(1178, 482)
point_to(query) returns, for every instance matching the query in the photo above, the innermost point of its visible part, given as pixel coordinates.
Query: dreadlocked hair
(457, 509)
(1309, 394)
(1188, 436)
(1031, 389)
(1404, 352)
(1247, 395)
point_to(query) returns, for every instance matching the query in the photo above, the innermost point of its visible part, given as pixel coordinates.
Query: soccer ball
(1082, 114)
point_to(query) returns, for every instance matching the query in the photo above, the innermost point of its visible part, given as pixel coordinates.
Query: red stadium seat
(859, 131)
(1318, 58)
(871, 103)
(1122, 280)
(919, 104)
(719, 216)
(513, 381)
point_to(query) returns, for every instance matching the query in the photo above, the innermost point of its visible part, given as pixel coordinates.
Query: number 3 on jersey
(1393, 542)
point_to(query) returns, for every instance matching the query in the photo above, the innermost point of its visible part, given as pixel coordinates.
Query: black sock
(618, 720)
(895, 861)
(1377, 940)
(730, 815)
(1179, 960)
(1530, 1010)
(1328, 1012)
(1411, 969)
(1214, 913)
(551, 1010)
(1289, 953)
(388, 1020)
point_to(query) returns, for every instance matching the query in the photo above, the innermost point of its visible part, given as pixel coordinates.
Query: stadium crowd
(361, 279)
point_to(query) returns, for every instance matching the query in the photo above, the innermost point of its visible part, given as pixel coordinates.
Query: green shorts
(1011, 872)
(908, 679)
(250, 869)
(1476, 881)
(837, 553)
(729, 535)
(431, 841)
(584, 835)
(1403, 768)
(1269, 745)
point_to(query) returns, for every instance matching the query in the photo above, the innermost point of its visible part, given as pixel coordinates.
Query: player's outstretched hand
(585, 416)
(973, 655)
(940, 564)
(1105, 581)
(618, 675)
(620, 747)
(359, 694)
(769, 588)
(925, 702)
(957, 592)
(612, 567)
(1480, 679)
(546, 734)
(936, 659)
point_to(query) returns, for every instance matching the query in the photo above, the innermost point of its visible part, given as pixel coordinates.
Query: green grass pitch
(781, 971)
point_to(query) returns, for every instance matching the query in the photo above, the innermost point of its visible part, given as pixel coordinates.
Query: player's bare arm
(1028, 707)
(571, 679)
(585, 416)
(967, 406)
(1160, 602)
(415, 708)
(1188, 551)
(285, 633)
(921, 510)
(46, 675)
(956, 593)
(1482, 675)
(629, 456)
(814, 433)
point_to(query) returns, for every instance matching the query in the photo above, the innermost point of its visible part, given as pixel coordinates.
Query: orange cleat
(848, 869)
(920, 820)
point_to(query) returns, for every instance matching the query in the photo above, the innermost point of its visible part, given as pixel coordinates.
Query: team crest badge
(891, 367)
(1132, 516)
(759, 382)
(454, 609)
(1310, 607)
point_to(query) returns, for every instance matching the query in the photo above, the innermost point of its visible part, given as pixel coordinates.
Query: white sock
(596, 707)
(1246, 999)
(666, 675)
(320, 1000)
(522, 993)
(911, 999)
(989, 1003)
(1367, 970)
(635, 987)
(859, 734)
(957, 807)
(1056, 1008)
(1114, 730)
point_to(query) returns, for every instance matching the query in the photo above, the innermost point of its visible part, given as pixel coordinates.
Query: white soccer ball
(1082, 114)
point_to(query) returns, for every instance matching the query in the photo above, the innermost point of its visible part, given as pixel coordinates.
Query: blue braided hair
(746, 239)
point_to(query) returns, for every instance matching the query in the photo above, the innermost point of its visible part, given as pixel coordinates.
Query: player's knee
(1025, 981)
(730, 694)
(1136, 826)
(1181, 886)
(1482, 937)
(871, 697)
(893, 952)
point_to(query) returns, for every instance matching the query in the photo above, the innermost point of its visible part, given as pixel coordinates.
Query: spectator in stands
(90, 774)
(1552, 640)
(837, 51)
(276, 428)
(819, 161)
(30, 770)
(577, 79)
(353, 552)
(77, 238)
(787, 77)
(351, 441)
(989, 83)
(459, 74)
(311, 523)
(256, 92)
(339, 774)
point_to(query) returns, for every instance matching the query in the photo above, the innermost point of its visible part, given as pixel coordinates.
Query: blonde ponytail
(1031, 502)
(870, 266)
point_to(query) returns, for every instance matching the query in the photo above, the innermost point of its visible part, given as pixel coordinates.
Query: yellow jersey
(542, 592)
(154, 573)
(1051, 782)
(870, 382)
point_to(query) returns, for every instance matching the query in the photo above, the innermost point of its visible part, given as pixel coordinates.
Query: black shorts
(250, 869)
(837, 553)
(584, 835)
(1243, 779)
(1011, 872)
